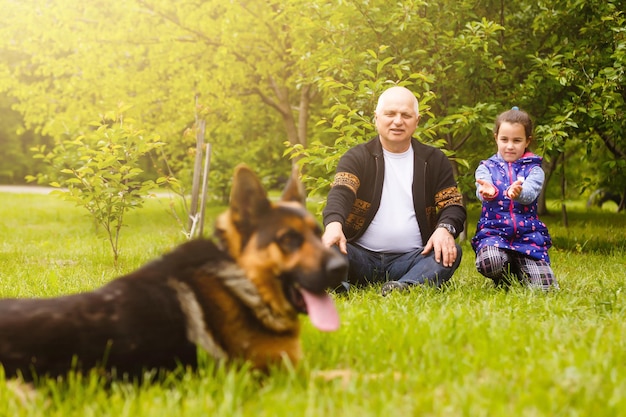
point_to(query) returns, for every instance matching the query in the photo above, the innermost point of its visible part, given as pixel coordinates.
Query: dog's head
(279, 246)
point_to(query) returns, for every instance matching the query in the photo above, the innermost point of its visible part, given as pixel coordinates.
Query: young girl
(510, 240)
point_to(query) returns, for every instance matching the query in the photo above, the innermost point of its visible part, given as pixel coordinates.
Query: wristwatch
(448, 227)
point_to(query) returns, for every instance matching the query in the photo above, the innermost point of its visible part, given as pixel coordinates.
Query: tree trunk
(563, 189)
(296, 130)
(455, 170)
(197, 171)
(549, 169)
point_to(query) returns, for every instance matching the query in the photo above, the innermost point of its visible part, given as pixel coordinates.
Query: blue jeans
(413, 268)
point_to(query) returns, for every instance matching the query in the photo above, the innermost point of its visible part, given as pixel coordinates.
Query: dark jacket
(357, 188)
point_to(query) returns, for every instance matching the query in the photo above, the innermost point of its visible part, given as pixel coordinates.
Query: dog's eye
(290, 241)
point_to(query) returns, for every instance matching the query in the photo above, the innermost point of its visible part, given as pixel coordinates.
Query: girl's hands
(488, 192)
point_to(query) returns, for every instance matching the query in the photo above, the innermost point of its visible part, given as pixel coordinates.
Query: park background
(263, 80)
(109, 101)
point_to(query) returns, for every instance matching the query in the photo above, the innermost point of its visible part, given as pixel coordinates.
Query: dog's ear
(248, 200)
(294, 190)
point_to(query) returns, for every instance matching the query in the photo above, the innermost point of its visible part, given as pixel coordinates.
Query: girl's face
(512, 141)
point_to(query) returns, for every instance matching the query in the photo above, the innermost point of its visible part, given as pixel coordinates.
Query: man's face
(396, 121)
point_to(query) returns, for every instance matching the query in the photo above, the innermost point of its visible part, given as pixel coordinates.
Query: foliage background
(264, 73)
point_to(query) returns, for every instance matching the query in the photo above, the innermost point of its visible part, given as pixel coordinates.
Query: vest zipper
(511, 205)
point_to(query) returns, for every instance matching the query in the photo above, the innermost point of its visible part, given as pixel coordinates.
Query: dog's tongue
(321, 310)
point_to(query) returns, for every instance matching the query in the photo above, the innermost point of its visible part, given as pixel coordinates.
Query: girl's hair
(515, 115)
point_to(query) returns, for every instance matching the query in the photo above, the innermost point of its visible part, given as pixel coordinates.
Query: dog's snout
(337, 266)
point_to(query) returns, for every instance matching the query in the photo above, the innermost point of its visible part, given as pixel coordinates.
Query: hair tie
(514, 108)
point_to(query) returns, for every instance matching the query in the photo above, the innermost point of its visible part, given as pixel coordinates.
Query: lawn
(465, 350)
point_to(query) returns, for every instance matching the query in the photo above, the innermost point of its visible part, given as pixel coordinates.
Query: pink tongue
(321, 310)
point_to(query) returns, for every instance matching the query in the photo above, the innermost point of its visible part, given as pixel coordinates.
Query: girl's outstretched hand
(486, 190)
(514, 190)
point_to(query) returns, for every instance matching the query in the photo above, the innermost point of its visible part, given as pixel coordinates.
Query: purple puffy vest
(507, 224)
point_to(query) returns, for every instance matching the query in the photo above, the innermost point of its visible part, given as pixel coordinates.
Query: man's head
(397, 115)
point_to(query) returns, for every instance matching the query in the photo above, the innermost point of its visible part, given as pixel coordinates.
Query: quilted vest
(508, 224)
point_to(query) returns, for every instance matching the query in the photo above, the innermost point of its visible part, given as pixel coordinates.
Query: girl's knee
(491, 263)
(493, 272)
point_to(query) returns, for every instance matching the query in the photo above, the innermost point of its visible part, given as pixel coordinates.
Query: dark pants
(413, 268)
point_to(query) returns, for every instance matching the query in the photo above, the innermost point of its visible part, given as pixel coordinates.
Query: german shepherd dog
(237, 299)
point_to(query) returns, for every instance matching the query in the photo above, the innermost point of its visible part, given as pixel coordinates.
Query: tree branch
(610, 146)
(460, 144)
(174, 20)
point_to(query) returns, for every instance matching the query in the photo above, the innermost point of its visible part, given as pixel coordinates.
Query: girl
(510, 240)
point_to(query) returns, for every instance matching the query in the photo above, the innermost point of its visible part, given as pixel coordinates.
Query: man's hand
(333, 235)
(486, 190)
(442, 242)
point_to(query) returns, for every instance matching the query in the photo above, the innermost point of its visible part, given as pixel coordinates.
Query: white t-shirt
(394, 227)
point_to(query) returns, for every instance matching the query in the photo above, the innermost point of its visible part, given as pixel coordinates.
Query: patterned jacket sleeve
(448, 199)
(343, 190)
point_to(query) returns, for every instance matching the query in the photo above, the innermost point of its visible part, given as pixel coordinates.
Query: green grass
(466, 350)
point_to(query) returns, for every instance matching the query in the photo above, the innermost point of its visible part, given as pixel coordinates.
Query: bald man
(394, 208)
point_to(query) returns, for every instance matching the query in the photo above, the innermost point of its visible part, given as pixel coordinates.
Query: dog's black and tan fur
(237, 299)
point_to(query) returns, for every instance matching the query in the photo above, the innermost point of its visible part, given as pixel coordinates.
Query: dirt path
(26, 189)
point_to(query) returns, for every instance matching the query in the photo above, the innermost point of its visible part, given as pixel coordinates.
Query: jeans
(412, 268)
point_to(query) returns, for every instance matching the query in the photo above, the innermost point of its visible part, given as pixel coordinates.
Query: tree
(576, 82)
(157, 56)
(418, 46)
(268, 73)
(15, 142)
(101, 171)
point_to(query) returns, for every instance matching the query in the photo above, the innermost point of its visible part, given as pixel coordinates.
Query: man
(394, 207)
